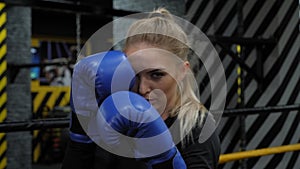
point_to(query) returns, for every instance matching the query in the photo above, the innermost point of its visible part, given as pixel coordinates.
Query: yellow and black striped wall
(44, 100)
(3, 83)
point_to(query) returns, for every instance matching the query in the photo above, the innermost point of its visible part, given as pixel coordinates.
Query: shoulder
(202, 149)
(202, 155)
(203, 130)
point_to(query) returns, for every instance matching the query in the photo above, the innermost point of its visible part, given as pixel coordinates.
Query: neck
(165, 115)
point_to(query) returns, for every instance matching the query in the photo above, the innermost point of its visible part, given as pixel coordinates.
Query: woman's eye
(157, 75)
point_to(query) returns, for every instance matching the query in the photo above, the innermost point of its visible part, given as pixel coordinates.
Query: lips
(150, 100)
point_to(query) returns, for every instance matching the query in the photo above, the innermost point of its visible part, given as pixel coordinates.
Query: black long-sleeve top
(196, 155)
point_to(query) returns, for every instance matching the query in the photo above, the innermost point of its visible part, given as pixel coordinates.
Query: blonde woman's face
(157, 74)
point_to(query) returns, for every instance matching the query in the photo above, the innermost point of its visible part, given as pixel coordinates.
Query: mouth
(150, 100)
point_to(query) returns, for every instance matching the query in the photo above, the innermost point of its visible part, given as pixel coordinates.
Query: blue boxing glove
(126, 120)
(94, 78)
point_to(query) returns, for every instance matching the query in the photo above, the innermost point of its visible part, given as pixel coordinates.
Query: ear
(183, 69)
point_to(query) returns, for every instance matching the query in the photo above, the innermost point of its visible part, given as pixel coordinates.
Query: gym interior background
(257, 41)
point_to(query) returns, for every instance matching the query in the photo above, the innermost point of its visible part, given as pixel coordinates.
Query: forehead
(147, 57)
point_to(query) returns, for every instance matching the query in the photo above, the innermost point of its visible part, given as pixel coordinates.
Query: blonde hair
(161, 31)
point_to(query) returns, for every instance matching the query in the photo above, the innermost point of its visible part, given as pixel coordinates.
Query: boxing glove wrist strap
(80, 138)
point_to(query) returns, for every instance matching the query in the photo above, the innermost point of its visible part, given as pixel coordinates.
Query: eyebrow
(155, 70)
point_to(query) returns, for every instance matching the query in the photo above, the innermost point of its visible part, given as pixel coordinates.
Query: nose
(144, 87)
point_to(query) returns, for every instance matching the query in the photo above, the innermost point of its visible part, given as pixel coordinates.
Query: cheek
(159, 100)
(169, 87)
(171, 91)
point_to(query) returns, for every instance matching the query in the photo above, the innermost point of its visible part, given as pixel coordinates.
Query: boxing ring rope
(224, 158)
(260, 110)
(39, 124)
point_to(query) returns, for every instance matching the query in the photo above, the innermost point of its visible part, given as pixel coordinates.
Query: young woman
(157, 49)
